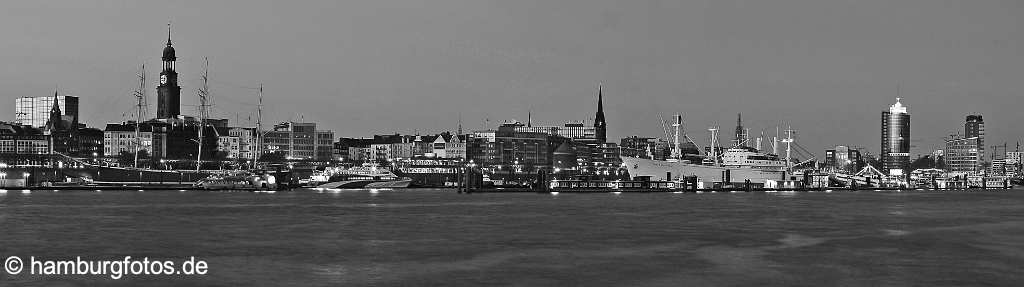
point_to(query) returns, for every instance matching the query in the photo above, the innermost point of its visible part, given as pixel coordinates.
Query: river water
(440, 238)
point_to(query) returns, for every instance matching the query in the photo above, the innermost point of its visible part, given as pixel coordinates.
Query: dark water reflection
(433, 237)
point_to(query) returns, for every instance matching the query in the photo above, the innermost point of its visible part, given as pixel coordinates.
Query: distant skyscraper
(975, 127)
(168, 92)
(600, 126)
(896, 139)
(35, 111)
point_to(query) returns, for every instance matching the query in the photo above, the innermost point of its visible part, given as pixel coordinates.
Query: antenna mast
(140, 96)
(204, 94)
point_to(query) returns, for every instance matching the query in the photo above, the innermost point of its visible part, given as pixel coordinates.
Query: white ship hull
(364, 183)
(657, 170)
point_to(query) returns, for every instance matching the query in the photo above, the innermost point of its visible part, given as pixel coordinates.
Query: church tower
(168, 92)
(600, 126)
(55, 122)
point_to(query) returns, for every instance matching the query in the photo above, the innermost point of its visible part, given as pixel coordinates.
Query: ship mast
(714, 145)
(259, 129)
(140, 96)
(677, 149)
(789, 141)
(204, 94)
(775, 141)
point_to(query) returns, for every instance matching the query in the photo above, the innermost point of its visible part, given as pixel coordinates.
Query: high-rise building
(974, 127)
(168, 92)
(896, 139)
(35, 111)
(961, 155)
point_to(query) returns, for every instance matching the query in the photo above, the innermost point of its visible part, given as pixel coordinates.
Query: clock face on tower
(163, 79)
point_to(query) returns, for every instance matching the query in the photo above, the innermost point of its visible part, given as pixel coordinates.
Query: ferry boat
(736, 165)
(368, 175)
(238, 181)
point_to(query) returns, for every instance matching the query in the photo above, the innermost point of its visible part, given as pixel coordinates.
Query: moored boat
(365, 176)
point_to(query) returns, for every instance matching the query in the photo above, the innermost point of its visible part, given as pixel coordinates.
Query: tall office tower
(975, 127)
(896, 139)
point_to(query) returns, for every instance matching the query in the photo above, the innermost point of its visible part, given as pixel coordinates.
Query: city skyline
(480, 76)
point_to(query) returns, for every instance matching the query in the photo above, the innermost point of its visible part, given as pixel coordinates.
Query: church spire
(740, 134)
(460, 125)
(529, 118)
(168, 33)
(600, 126)
(600, 103)
(54, 122)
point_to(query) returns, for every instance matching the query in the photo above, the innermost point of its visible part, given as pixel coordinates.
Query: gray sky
(827, 67)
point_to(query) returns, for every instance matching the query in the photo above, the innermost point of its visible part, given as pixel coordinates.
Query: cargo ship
(735, 165)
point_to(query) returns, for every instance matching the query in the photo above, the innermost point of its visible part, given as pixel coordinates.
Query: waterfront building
(20, 139)
(974, 127)
(447, 145)
(997, 167)
(351, 149)
(575, 130)
(643, 147)
(514, 153)
(35, 111)
(656, 149)
(895, 147)
(299, 141)
(1013, 163)
(843, 159)
(392, 147)
(89, 143)
(961, 155)
(168, 92)
(486, 135)
(360, 154)
(246, 141)
(228, 144)
(1013, 157)
(120, 137)
(324, 145)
